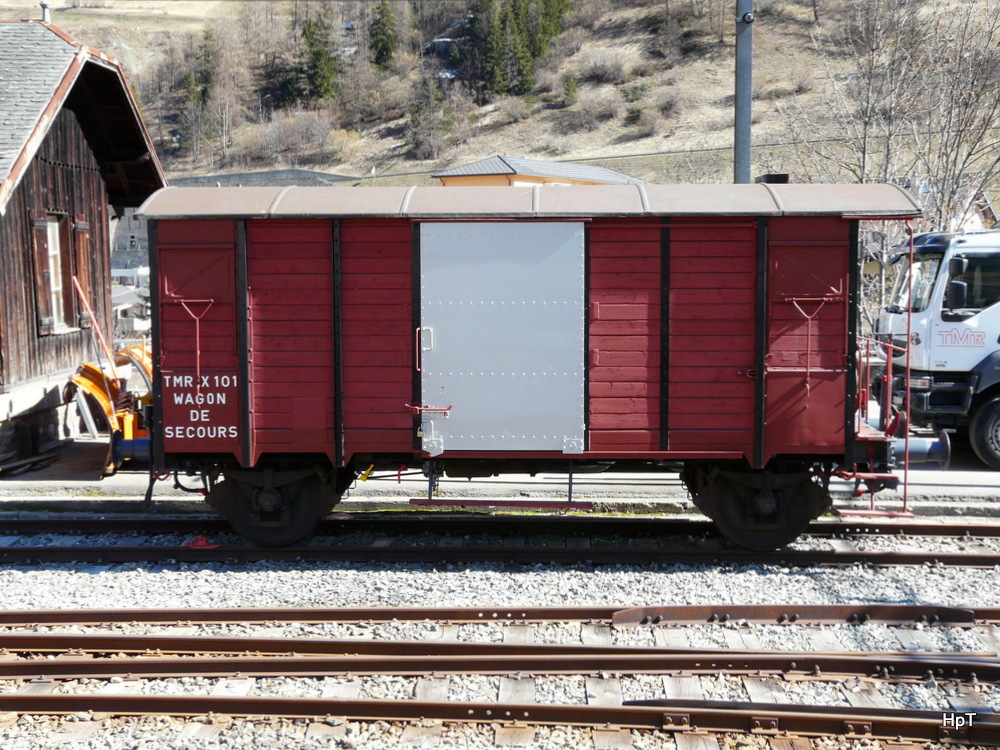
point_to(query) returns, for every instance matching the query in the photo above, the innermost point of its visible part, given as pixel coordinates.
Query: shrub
(548, 81)
(340, 143)
(553, 145)
(667, 104)
(635, 92)
(647, 124)
(586, 14)
(566, 44)
(643, 70)
(514, 109)
(427, 144)
(299, 136)
(603, 66)
(571, 92)
(803, 83)
(594, 110)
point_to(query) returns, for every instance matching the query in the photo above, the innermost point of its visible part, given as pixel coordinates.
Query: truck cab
(954, 336)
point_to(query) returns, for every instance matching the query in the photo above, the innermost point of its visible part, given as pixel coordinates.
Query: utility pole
(744, 91)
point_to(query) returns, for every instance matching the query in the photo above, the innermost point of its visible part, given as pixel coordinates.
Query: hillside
(650, 103)
(844, 89)
(684, 107)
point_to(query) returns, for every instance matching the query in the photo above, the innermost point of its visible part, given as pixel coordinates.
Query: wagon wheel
(273, 516)
(763, 518)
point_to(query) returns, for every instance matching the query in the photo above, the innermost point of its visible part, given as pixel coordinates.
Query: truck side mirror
(957, 266)
(956, 293)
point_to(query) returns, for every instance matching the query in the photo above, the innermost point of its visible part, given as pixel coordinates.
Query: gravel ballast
(279, 584)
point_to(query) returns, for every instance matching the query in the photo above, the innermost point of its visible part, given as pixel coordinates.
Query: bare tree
(815, 10)
(869, 100)
(956, 113)
(223, 109)
(917, 104)
(913, 99)
(227, 88)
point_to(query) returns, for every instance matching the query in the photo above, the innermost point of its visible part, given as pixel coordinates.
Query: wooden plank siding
(197, 308)
(63, 178)
(624, 328)
(806, 361)
(712, 343)
(378, 335)
(290, 300)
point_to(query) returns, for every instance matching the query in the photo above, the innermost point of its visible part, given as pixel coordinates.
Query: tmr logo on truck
(962, 337)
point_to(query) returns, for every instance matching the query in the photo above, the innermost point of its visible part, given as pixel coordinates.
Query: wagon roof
(852, 201)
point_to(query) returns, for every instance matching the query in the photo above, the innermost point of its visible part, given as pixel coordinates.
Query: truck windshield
(924, 272)
(982, 277)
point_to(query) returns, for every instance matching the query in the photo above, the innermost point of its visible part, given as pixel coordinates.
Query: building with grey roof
(515, 170)
(74, 154)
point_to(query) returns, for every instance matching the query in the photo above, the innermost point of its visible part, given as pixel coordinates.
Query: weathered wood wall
(64, 177)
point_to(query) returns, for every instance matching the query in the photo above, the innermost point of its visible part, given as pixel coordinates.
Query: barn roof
(513, 165)
(538, 201)
(40, 69)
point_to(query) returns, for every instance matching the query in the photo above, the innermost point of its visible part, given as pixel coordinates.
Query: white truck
(954, 336)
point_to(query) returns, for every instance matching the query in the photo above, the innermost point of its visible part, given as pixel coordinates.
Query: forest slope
(648, 82)
(390, 92)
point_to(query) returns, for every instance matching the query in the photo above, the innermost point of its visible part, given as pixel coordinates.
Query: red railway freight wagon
(302, 335)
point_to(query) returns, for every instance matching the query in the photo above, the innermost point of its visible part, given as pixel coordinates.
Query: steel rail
(501, 659)
(44, 643)
(410, 522)
(112, 643)
(669, 715)
(554, 555)
(620, 616)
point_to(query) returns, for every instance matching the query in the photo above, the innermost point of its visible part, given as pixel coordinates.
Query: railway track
(669, 687)
(662, 616)
(471, 523)
(501, 555)
(490, 539)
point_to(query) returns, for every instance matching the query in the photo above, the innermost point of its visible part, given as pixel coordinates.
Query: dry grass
(640, 89)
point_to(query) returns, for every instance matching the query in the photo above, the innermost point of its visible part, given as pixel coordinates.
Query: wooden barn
(74, 154)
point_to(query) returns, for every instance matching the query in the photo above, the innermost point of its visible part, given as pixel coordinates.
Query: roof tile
(33, 61)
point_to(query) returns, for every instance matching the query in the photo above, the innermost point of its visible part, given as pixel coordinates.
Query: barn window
(57, 271)
(62, 250)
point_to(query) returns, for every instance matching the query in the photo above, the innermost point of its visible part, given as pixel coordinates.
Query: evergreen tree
(494, 67)
(192, 116)
(207, 62)
(382, 35)
(534, 25)
(553, 12)
(321, 65)
(192, 92)
(507, 37)
(517, 53)
(427, 125)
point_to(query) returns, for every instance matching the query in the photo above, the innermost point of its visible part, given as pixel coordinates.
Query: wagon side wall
(377, 369)
(808, 360)
(196, 339)
(290, 337)
(712, 335)
(290, 318)
(625, 342)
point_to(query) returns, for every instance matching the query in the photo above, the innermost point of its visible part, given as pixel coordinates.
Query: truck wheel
(984, 433)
